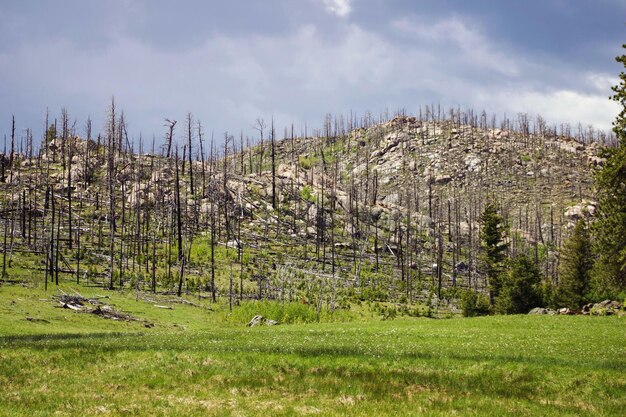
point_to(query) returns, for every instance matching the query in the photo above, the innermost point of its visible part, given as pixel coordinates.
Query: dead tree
(11, 155)
(170, 135)
(202, 159)
(111, 189)
(179, 227)
(260, 127)
(273, 143)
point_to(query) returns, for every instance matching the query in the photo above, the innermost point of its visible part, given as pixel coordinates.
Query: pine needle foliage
(609, 277)
(494, 248)
(575, 268)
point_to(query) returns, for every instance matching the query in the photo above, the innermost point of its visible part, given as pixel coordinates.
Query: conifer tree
(520, 287)
(575, 268)
(610, 229)
(494, 248)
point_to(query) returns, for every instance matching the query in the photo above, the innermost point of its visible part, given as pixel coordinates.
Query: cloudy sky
(231, 62)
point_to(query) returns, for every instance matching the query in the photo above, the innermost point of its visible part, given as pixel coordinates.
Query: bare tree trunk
(4, 248)
(272, 134)
(189, 138)
(11, 155)
(111, 186)
(213, 252)
(202, 159)
(170, 125)
(179, 229)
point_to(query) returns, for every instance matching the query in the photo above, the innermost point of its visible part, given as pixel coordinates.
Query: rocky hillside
(382, 211)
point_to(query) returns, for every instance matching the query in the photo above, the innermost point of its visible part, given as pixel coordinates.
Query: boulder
(256, 321)
(233, 244)
(313, 211)
(393, 198)
(604, 308)
(472, 163)
(609, 304)
(375, 213)
(260, 320)
(585, 209)
(442, 179)
(541, 311)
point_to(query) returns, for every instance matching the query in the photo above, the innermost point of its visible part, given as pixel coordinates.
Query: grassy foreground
(195, 362)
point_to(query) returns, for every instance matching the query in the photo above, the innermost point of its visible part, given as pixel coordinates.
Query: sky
(232, 62)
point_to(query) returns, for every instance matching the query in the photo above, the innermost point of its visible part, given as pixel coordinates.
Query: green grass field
(202, 362)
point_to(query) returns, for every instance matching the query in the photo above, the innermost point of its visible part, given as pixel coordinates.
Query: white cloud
(339, 8)
(561, 106)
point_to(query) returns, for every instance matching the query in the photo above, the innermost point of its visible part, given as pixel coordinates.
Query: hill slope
(384, 211)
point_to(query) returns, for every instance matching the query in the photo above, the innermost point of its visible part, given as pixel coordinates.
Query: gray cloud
(308, 67)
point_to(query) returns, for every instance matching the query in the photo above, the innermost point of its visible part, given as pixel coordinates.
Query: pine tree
(520, 287)
(575, 268)
(494, 248)
(609, 274)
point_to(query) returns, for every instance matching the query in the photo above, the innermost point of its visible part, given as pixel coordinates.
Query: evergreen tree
(575, 268)
(494, 248)
(610, 229)
(520, 287)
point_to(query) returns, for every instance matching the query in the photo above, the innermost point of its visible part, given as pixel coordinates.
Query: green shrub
(307, 162)
(306, 193)
(474, 304)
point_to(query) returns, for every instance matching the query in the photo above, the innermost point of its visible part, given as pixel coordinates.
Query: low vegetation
(198, 360)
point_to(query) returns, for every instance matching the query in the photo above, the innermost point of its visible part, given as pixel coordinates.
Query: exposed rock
(604, 308)
(541, 310)
(424, 221)
(376, 212)
(256, 320)
(313, 210)
(596, 160)
(343, 199)
(442, 179)
(464, 227)
(391, 198)
(260, 320)
(585, 209)
(609, 304)
(343, 245)
(233, 244)
(472, 163)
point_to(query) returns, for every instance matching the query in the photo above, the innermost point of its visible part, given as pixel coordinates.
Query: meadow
(203, 361)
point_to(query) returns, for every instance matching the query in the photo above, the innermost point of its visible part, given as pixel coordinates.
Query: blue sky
(231, 62)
